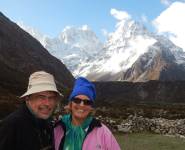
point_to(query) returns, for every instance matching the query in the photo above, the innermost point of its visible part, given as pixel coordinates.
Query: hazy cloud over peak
(120, 15)
(165, 2)
(171, 21)
(144, 18)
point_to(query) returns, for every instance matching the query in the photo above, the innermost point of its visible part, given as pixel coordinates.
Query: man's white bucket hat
(40, 81)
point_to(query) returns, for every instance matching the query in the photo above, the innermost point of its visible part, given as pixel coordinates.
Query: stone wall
(135, 124)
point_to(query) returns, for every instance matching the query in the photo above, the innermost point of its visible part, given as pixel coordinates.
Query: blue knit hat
(83, 87)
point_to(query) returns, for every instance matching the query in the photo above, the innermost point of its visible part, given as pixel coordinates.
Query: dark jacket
(22, 131)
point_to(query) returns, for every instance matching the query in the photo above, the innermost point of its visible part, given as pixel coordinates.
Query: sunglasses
(85, 101)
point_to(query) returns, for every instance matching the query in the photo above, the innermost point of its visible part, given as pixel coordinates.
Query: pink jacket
(100, 138)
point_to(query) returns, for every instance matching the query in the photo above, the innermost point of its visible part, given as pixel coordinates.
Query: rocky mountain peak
(129, 47)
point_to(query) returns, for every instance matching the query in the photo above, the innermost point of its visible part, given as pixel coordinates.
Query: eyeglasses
(85, 101)
(43, 97)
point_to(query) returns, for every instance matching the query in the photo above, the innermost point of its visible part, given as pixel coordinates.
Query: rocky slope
(20, 55)
(163, 61)
(152, 92)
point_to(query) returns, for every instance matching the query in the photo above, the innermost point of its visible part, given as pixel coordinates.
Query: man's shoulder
(12, 119)
(16, 117)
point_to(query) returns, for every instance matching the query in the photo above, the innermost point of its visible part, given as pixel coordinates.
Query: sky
(50, 17)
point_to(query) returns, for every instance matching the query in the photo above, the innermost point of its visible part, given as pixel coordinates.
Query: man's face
(42, 104)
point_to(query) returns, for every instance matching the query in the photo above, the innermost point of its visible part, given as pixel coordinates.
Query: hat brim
(40, 88)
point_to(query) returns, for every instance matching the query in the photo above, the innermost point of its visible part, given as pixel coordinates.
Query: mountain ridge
(117, 59)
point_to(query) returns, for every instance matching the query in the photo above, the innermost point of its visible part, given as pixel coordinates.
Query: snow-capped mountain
(162, 61)
(131, 53)
(134, 54)
(138, 55)
(122, 49)
(75, 47)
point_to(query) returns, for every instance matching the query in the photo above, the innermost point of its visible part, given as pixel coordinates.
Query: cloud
(172, 23)
(120, 15)
(165, 2)
(144, 18)
(104, 32)
(85, 27)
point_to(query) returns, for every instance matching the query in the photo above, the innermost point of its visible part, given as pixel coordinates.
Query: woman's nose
(81, 103)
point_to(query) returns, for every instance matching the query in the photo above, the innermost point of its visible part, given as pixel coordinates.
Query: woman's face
(81, 107)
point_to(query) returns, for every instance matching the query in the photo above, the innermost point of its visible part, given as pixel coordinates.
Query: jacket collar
(95, 123)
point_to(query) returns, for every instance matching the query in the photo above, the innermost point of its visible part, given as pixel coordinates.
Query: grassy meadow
(148, 141)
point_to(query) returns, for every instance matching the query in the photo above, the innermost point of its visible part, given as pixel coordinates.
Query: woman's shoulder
(100, 127)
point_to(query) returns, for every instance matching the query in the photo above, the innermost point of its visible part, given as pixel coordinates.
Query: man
(29, 127)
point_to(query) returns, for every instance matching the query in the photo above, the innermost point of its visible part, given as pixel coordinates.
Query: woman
(79, 130)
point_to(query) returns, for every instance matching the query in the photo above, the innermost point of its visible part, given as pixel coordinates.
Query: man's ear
(26, 99)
